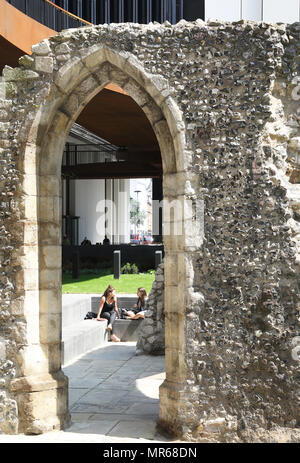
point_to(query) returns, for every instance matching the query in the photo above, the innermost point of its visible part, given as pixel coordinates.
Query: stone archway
(232, 298)
(74, 86)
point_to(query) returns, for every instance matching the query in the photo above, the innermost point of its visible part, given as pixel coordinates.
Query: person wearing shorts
(139, 309)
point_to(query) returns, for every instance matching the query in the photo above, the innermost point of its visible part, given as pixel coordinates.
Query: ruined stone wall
(246, 321)
(234, 86)
(151, 338)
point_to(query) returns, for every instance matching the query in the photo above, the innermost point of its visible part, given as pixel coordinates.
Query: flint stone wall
(151, 339)
(236, 90)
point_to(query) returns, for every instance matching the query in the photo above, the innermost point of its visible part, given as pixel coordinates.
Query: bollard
(158, 258)
(75, 265)
(117, 265)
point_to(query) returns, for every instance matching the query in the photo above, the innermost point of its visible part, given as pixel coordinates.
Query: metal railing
(49, 14)
(65, 14)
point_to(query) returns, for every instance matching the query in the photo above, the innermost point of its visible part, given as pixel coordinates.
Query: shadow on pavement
(115, 393)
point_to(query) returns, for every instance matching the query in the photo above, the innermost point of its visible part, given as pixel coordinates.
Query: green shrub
(130, 268)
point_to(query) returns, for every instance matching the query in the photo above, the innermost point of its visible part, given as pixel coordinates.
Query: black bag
(90, 316)
(122, 314)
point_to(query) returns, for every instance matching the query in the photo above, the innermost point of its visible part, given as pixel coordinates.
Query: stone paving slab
(75, 395)
(94, 408)
(113, 397)
(76, 437)
(143, 409)
(145, 429)
(79, 383)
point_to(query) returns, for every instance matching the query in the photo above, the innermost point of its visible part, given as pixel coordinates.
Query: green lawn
(97, 283)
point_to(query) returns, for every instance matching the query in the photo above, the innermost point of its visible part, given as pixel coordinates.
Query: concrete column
(88, 194)
(116, 238)
(109, 210)
(123, 211)
(157, 195)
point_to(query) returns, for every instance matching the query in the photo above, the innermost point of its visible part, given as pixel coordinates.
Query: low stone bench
(126, 330)
(82, 337)
(79, 335)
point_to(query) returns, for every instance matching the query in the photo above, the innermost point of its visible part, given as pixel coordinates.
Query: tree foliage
(137, 215)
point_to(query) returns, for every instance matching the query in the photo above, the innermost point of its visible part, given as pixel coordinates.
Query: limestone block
(42, 48)
(165, 141)
(50, 278)
(29, 163)
(50, 328)
(49, 185)
(173, 116)
(174, 298)
(19, 75)
(17, 306)
(51, 164)
(54, 356)
(46, 211)
(174, 242)
(175, 365)
(117, 59)
(44, 64)
(31, 303)
(70, 75)
(153, 112)
(57, 209)
(136, 92)
(50, 301)
(179, 141)
(175, 330)
(50, 233)
(29, 257)
(2, 349)
(148, 331)
(49, 208)
(171, 269)
(38, 410)
(26, 61)
(118, 77)
(32, 360)
(73, 105)
(51, 256)
(93, 56)
(27, 279)
(62, 49)
(30, 233)
(158, 87)
(88, 87)
(294, 144)
(30, 184)
(32, 333)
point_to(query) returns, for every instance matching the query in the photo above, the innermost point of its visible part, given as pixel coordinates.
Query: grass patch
(97, 282)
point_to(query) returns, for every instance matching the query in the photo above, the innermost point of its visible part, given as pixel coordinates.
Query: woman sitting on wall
(138, 310)
(108, 310)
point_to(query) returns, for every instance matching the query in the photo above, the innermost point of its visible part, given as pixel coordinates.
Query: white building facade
(287, 11)
(94, 207)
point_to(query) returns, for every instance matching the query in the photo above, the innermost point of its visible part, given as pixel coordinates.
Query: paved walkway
(113, 397)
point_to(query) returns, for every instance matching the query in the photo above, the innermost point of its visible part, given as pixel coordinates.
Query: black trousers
(110, 317)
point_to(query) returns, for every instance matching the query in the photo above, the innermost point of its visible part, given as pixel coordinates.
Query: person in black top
(108, 310)
(138, 310)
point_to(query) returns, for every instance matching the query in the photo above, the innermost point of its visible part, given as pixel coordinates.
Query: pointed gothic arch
(45, 132)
